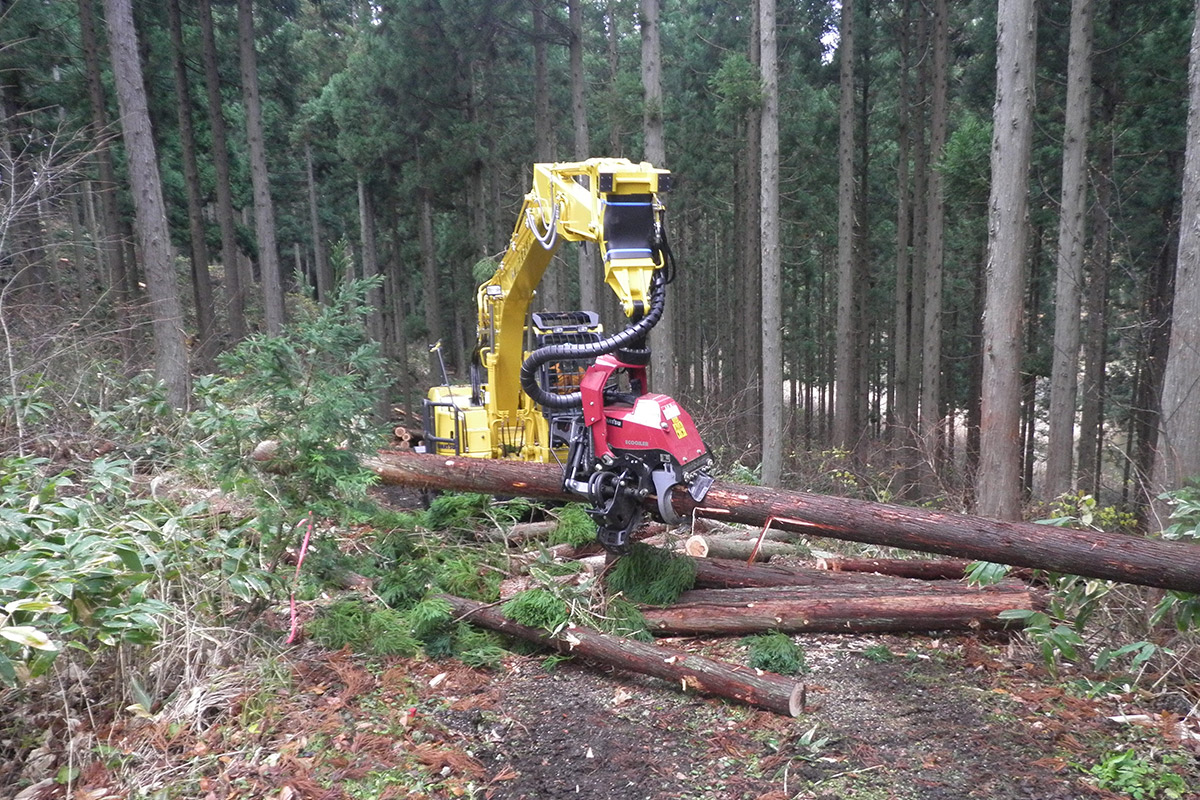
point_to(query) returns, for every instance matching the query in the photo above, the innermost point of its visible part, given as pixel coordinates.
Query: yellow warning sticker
(680, 432)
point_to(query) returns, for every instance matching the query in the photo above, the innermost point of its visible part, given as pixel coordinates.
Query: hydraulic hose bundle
(562, 352)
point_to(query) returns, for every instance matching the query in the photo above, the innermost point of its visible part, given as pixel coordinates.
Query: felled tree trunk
(941, 569)
(1131, 559)
(741, 549)
(693, 673)
(828, 609)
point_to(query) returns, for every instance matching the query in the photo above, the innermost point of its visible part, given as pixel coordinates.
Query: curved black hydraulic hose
(563, 352)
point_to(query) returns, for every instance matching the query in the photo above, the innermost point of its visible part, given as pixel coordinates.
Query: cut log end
(797, 700)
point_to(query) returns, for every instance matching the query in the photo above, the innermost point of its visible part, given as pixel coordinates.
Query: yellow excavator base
(459, 428)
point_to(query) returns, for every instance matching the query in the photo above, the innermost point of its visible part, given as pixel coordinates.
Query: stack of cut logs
(736, 593)
(404, 436)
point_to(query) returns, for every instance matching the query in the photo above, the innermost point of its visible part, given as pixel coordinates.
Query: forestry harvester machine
(552, 386)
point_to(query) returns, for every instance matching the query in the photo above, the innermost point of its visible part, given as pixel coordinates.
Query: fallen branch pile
(826, 594)
(1129, 559)
(694, 673)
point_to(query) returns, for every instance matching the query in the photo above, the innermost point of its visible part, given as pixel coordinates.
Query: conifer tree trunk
(109, 248)
(551, 294)
(920, 235)
(999, 480)
(429, 270)
(662, 340)
(202, 289)
(1068, 287)
(321, 270)
(900, 423)
(264, 207)
(772, 278)
(931, 373)
(1177, 457)
(845, 424)
(236, 280)
(745, 375)
(588, 263)
(1091, 434)
(150, 221)
(370, 259)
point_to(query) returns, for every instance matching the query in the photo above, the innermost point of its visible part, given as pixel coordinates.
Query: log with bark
(1131, 559)
(952, 569)
(720, 573)
(743, 549)
(693, 673)
(853, 608)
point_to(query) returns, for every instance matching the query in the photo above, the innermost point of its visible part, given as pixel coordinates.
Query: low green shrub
(776, 652)
(364, 628)
(538, 608)
(1133, 776)
(652, 576)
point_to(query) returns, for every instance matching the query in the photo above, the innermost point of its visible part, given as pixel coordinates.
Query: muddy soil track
(940, 721)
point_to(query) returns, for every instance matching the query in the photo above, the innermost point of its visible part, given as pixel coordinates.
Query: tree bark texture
(831, 609)
(998, 486)
(260, 178)
(845, 425)
(321, 271)
(202, 288)
(154, 242)
(429, 269)
(693, 673)
(370, 259)
(743, 549)
(1068, 286)
(662, 352)
(116, 271)
(1130, 559)
(773, 435)
(914, 568)
(1177, 458)
(931, 372)
(235, 282)
(901, 419)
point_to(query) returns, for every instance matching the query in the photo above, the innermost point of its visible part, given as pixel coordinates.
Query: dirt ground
(938, 719)
(886, 718)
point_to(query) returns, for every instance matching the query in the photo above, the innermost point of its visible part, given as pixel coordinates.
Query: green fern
(429, 617)
(776, 652)
(477, 648)
(652, 576)
(456, 512)
(623, 618)
(467, 574)
(388, 634)
(537, 608)
(575, 527)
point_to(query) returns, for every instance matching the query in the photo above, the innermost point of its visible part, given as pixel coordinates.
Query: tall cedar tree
(1068, 286)
(772, 277)
(150, 220)
(999, 480)
(260, 177)
(1178, 456)
(846, 425)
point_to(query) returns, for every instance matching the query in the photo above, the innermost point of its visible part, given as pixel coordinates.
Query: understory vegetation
(147, 561)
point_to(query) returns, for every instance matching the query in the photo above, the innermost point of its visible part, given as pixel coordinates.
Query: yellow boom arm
(581, 201)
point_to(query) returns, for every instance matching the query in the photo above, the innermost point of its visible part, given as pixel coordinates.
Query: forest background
(292, 146)
(929, 252)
